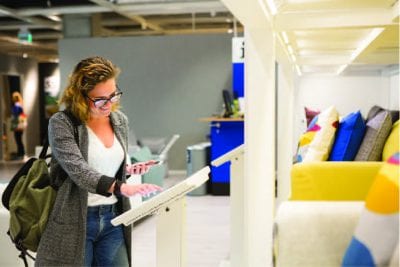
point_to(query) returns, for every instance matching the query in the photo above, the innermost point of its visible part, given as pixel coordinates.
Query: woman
(18, 122)
(79, 231)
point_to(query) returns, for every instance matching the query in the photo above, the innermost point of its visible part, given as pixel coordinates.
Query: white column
(259, 156)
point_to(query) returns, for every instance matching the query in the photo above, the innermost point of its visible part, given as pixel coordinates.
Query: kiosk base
(171, 232)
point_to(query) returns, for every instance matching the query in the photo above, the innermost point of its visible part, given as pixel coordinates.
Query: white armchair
(314, 233)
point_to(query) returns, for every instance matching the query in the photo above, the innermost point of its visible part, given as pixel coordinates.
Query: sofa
(342, 233)
(340, 180)
(318, 224)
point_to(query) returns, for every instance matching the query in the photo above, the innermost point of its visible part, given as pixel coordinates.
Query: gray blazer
(63, 241)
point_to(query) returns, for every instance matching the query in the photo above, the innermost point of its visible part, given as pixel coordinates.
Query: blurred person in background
(18, 124)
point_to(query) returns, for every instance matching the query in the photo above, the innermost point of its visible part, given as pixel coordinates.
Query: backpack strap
(43, 153)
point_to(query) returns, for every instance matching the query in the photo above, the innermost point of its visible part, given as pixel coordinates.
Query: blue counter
(226, 134)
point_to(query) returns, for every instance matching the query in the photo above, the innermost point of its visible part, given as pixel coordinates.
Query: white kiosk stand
(235, 156)
(170, 207)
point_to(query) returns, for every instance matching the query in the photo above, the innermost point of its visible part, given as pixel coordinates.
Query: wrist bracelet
(117, 188)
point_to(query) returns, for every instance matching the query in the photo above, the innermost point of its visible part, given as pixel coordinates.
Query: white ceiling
(338, 36)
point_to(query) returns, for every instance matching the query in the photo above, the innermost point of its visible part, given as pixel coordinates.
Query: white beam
(145, 24)
(13, 13)
(249, 12)
(155, 8)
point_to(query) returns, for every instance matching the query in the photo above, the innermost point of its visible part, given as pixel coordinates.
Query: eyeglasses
(101, 102)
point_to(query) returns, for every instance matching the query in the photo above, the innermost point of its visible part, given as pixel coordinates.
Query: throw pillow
(395, 115)
(310, 114)
(378, 129)
(392, 142)
(305, 139)
(348, 137)
(376, 236)
(376, 109)
(373, 112)
(321, 144)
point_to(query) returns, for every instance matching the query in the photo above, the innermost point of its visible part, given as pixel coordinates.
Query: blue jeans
(105, 244)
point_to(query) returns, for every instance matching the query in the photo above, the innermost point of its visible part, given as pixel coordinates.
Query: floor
(207, 232)
(207, 227)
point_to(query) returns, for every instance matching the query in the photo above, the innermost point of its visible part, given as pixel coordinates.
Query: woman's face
(102, 91)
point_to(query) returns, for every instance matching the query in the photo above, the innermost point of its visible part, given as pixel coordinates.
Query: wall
(169, 82)
(346, 93)
(394, 98)
(27, 70)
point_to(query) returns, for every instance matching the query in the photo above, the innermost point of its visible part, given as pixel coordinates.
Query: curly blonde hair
(17, 97)
(86, 75)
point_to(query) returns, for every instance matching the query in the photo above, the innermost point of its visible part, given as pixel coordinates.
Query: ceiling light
(4, 11)
(341, 69)
(271, 7)
(361, 46)
(293, 58)
(285, 37)
(298, 70)
(54, 17)
(290, 49)
(364, 43)
(267, 11)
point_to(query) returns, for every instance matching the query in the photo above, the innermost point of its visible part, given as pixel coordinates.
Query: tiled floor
(207, 227)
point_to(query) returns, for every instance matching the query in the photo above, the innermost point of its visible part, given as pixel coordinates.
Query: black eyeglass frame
(118, 94)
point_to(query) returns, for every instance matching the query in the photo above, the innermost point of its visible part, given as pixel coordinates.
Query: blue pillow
(348, 137)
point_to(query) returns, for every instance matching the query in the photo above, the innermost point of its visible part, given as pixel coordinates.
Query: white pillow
(321, 145)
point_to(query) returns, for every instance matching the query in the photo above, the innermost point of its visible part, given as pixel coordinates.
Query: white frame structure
(170, 208)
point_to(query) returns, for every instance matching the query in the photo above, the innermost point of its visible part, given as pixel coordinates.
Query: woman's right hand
(129, 190)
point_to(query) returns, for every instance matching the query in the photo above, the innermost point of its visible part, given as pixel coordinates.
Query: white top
(105, 160)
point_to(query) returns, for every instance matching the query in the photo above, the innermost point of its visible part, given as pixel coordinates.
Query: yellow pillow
(392, 142)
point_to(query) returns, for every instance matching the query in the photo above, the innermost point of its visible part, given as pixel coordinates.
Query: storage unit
(197, 157)
(226, 134)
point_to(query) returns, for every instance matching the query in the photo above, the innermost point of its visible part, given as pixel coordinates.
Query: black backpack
(29, 196)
